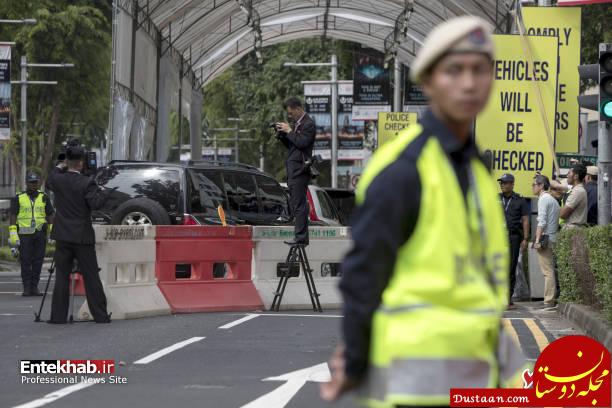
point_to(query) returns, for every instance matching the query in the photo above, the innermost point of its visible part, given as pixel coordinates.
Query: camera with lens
(72, 149)
(310, 166)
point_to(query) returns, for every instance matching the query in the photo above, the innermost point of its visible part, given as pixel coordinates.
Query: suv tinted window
(241, 195)
(206, 192)
(161, 185)
(273, 199)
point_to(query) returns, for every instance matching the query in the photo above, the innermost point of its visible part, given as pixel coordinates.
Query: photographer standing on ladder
(75, 196)
(30, 217)
(299, 139)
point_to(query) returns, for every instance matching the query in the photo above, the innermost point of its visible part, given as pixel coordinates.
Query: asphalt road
(215, 360)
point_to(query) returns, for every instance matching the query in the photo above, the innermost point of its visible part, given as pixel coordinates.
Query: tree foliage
(77, 32)
(255, 93)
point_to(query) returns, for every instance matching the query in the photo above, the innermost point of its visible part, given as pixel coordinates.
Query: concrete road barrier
(126, 257)
(327, 248)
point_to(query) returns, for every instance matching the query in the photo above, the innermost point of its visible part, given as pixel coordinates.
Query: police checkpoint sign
(565, 25)
(391, 123)
(511, 130)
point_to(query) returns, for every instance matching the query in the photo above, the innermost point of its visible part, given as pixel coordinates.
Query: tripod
(42, 303)
(297, 257)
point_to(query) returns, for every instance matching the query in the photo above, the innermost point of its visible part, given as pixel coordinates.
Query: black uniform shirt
(380, 226)
(515, 207)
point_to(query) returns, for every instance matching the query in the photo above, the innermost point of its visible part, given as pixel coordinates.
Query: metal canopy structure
(213, 34)
(164, 46)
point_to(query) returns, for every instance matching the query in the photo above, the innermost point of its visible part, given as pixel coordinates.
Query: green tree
(77, 32)
(255, 93)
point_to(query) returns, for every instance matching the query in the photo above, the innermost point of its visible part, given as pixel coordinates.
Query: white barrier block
(327, 248)
(126, 257)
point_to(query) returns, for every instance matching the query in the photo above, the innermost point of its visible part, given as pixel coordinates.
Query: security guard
(31, 212)
(425, 284)
(516, 211)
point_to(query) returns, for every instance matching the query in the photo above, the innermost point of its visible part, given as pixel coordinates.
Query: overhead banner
(564, 24)
(372, 86)
(413, 93)
(391, 123)
(317, 101)
(511, 130)
(5, 92)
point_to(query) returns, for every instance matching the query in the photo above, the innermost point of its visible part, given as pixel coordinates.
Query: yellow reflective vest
(439, 322)
(32, 216)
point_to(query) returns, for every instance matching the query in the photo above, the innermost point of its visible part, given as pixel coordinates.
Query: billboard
(5, 92)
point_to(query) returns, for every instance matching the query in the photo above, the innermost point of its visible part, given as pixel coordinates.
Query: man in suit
(75, 196)
(298, 137)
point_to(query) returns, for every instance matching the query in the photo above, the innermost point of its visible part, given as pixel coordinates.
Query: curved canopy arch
(211, 35)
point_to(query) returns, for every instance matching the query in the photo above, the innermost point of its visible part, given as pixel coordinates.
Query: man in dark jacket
(75, 196)
(299, 139)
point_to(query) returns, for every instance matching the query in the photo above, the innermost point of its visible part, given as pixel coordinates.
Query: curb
(589, 321)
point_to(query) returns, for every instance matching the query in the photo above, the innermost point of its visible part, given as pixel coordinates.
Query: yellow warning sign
(512, 130)
(562, 23)
(390, 123)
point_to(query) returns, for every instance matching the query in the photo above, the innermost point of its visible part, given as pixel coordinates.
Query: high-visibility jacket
(439, 322)
(32, 215)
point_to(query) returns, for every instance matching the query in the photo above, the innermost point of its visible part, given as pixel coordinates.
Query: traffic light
(602, 74)
(605, 82)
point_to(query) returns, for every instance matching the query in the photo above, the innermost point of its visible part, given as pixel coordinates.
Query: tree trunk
(50, 144)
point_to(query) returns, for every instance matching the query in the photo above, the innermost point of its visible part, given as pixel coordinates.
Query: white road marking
(54, 396)
(167, 350)
(13, 314)
(295, 380)
(239, 321)
(10, 293)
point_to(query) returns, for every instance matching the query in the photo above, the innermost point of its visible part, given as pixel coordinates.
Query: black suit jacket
(75, 196)
(300, 143)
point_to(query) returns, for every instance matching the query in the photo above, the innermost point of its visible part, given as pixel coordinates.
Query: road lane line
(511, 331)
(55, 395)
(167, 350)
(538, 334)
(239, 321)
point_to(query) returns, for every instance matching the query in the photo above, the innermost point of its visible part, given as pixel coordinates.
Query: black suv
(189, 194)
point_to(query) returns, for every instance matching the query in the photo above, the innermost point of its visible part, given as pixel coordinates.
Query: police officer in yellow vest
(30, 217)
(425, 284)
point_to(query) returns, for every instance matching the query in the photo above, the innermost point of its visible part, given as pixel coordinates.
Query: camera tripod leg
(42, 302)
(72, 283)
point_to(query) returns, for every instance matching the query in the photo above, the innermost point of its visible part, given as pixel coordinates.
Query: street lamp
(334, 102)
(24, 92)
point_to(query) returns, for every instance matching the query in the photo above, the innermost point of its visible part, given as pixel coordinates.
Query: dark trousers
(515, 248)
(299, 205)
(32, 251)
(65, 253)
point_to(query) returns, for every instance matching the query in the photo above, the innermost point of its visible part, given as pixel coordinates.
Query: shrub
(584, 262)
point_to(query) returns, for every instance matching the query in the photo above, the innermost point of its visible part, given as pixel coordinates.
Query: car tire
(141, 211)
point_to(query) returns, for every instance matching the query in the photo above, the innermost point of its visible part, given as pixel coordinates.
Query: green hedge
(584, 262)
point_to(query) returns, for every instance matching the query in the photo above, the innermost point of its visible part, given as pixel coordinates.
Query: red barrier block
(79, 285)
(206, 268)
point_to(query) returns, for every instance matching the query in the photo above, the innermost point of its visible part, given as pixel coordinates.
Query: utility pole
(24, 108)
(236, 135)
(397, 89)
(236, 139)
(334, 107)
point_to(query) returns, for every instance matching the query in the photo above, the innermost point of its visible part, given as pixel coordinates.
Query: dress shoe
(27, 293)
(36, 292)
(105, 320)
(55, 322)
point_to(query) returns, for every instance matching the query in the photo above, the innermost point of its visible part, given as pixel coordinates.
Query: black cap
(507, 177)
(32, 177)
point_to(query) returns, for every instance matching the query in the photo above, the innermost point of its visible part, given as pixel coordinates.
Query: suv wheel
(140, 211)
